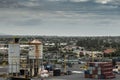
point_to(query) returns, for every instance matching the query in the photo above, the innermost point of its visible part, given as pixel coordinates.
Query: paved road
(77, 75)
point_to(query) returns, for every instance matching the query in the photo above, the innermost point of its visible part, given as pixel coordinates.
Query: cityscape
(69, 55)
(59, 40)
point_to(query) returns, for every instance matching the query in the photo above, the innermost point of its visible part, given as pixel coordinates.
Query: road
(77, 75)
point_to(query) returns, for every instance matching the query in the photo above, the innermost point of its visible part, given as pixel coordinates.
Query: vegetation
(89, 43)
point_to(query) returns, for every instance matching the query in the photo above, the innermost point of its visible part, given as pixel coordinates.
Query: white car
(81, 62)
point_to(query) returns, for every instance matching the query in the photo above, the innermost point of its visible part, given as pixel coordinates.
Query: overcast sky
(60, 17)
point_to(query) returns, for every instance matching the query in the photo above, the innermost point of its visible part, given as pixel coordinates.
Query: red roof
(35, 41)
(107, 51)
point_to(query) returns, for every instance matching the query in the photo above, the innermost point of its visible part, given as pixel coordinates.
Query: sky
(60, 17)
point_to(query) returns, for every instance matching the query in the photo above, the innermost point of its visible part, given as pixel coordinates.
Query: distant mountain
(3, 35)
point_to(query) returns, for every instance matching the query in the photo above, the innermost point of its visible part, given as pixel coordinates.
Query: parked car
(49, 67)
(81, 62)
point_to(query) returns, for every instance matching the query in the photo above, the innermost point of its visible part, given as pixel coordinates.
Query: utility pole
(92, 56)
(65, 67)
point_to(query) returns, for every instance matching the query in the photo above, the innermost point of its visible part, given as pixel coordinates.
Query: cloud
(29, 22)
(103, 1)
(62, 5)
(26, 21)
(99, 7)
(79, 0)
(58, 0)
(19, 17)
(29, 4)
(59, 17)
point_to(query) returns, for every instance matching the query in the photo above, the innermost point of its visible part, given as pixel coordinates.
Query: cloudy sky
(60, 17)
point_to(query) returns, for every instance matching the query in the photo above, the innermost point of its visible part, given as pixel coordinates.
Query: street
(77, 75)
